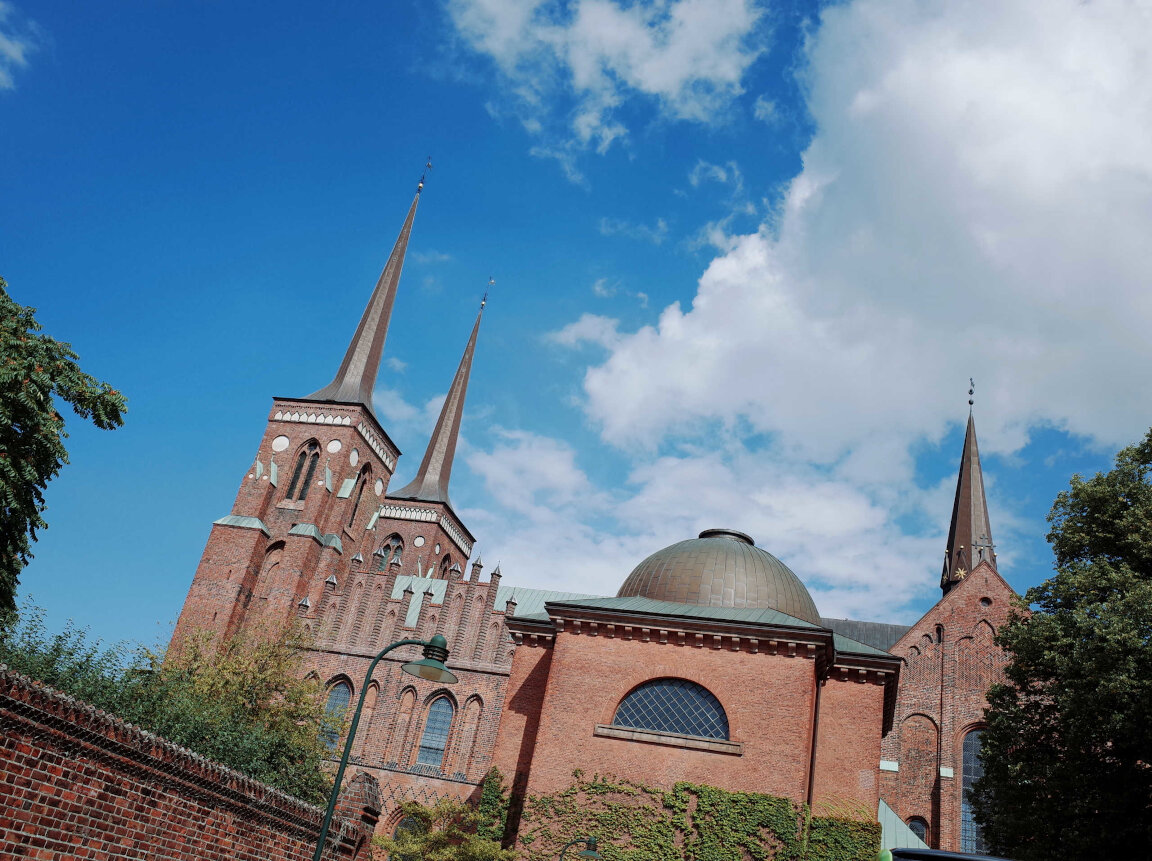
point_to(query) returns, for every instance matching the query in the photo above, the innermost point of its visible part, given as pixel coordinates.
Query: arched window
(971, 834)
(673, 705)
(435, 737)
(309, 456)
(919, 826)
(339, 696)
(390, 552)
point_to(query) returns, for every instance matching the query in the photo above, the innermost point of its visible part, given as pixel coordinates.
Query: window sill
(670, 739)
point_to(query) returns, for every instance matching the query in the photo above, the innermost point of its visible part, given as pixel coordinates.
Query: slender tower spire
(354, 381)
(969, 535)
(431, 482)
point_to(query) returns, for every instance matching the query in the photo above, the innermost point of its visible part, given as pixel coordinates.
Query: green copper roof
(650, 606)
(528, 601)
(848, 646)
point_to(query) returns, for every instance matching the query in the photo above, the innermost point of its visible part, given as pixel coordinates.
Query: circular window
(334, 446)
(379, 488)
(354, 457)
(280, 443)
(985, 602)
(418, 540)
(436, 549)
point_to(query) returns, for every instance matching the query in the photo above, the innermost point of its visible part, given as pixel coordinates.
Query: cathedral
(712, 663)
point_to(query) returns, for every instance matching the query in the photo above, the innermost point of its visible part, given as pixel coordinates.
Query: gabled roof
(878, 635)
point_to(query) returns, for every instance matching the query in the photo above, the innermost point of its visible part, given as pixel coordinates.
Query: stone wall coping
(670, 739)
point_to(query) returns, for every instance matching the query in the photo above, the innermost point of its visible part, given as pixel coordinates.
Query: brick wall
(950, 662)
(78, 783)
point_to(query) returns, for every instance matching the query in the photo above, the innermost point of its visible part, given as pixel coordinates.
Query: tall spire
(431, 482)
(969, 535)
(354, 381)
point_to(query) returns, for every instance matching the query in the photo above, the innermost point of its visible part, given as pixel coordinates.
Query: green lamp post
(588, 853)
(432, 669)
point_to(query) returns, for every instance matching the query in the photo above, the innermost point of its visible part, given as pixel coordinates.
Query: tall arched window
(919, 826)
(673, 705)
(339, 696)
(435, 737)
(971, 834)
(308, 458)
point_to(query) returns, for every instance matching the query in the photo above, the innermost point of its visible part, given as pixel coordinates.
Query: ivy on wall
(634, 822)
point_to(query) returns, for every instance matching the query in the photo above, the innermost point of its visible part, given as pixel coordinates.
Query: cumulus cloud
(764, 109)
(976, 201)
(19, 39)
(570, 67)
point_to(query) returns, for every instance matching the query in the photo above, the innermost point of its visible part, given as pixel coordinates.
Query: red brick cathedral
(711, 664)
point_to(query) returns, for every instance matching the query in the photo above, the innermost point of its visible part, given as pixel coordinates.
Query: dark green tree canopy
(1068, 747)
(35, 371)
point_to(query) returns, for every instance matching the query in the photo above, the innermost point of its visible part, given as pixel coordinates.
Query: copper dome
(721, 568)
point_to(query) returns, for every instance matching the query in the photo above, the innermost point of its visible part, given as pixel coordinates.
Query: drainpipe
(815, 729)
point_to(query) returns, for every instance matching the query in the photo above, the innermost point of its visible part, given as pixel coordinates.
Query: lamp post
(430, 668)
(589, 853)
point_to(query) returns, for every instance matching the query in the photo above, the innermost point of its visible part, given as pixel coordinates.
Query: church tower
(420, 532)
(313, 489)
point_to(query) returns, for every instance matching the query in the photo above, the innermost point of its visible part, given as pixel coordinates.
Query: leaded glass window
(971, 834)
(339, 696)
(919, 827)
(673, 705)
(435, 737)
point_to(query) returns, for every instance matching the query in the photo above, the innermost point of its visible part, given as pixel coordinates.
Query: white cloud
(655, 234)
(19, 38)
(977, 200)
(397, 365)
(722, 174)
(570, 67)
(589, 329)
(602, 288)
(764, 109)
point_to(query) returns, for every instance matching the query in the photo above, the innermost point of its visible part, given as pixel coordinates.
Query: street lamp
(431, 668)
(589, 853)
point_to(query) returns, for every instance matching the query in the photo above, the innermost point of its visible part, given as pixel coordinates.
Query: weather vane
(427, 167)
(971, 392)
(491, 284)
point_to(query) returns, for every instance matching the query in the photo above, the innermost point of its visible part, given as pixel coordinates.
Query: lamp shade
(431, 666)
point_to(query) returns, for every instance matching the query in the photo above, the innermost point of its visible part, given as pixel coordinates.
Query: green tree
(35, 370)
(243, 704)
(1068, 748)
(447, 831)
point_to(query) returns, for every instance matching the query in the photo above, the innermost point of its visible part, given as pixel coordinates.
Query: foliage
(36, 369)
(447, 831)
(1068, 745)
(634, 822)
(243, 705)
(493, 806)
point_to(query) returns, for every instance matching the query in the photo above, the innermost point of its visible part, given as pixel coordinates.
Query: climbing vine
(634, 822)
(493, 806)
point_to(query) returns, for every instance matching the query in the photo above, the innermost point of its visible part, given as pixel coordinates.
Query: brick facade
(569, 676)
(76, 783)
(950, 662)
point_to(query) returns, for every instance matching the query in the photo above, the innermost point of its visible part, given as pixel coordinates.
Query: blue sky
(747, 256)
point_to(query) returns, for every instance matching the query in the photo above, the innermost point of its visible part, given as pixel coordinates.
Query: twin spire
(969, 534)
(356, 377)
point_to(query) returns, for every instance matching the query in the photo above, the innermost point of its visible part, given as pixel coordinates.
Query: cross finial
(971, 392)
(491, 284)
(427, 167)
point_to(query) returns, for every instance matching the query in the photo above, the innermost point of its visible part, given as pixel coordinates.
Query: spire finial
(971, 393)
(491, 284)
(427, 167)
